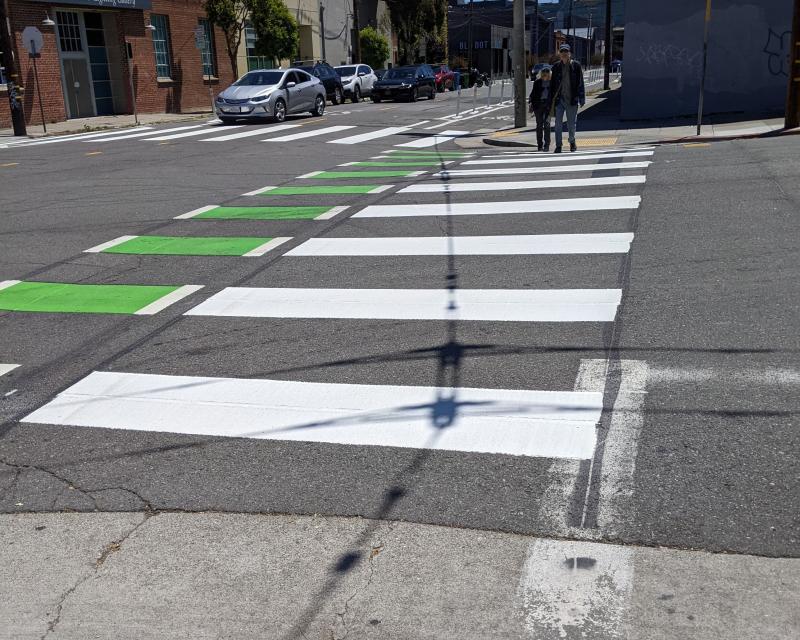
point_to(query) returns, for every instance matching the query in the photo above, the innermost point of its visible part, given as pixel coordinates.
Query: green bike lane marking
(333, 175)
(321, 190)
(423, 154)
(414, 163)
(189, 246)
(57, 297)
(213, 212)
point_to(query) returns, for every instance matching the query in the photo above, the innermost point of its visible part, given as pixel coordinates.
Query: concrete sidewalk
(209, 575)
(599, 125)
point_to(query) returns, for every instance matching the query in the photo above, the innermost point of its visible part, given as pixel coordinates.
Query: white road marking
(461, 118)
(506, 305)
(5, 284)
(431, 141)
(371, 135)
(196, 212)
(111, 243)
(495, 208)
(523, 154)
(768, 376)
(187, 134)
(149, 133)
(553, 424)
(264, 248)
(570, 586)
(332, 212)
(616, 166)
(580, 243)
(559, 158)
(521, 185)
(400, 164)
(84, 136)
(309, 134)
(381, 189)
(251, 132)
(5, 368)
(169, 299)
(310, 175)
(256, 192)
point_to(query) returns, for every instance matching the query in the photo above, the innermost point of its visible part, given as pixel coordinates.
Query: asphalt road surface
(347, 317)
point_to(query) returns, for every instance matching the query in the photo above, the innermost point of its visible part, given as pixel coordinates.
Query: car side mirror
(289, 85)
(361, 74)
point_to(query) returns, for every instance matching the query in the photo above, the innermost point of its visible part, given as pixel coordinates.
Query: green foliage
(374, 47)
(277, 35)
(415, 21)
(230, 16)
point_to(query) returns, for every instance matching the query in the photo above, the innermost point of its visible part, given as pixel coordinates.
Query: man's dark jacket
(578, 88)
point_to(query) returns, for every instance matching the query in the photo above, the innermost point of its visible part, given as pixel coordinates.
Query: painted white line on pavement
(593, 152)
(5, 284)
(559, 158)
(188, 134)
(506, 305)
(615, 166)
(196, 212)
(255, 192)
(381, 189)
(310, 175)
(371, 135)
(169, 299)
(149, 133)
(461, 119)
(400, 164)
(264, 248)
(576, 243)
(568, 586)
(252, 132)
(332, 213)
(522, 185)
(768, 376)
(6, 368)
(432, 141)
(553, 424)
(310, 134)
(84, 136)
(109, 244)
(496, 208)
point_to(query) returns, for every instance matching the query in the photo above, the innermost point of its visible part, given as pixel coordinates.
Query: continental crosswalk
(407, 136)
(383, 219)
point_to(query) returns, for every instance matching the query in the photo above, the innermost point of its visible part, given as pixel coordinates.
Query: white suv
(357, 80)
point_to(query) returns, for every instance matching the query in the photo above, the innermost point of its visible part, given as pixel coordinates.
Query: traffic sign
(32, 40)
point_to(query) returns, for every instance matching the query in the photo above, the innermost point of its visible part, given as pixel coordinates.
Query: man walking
(569, 92)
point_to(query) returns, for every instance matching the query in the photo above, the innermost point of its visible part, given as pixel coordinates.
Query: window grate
(161, 45)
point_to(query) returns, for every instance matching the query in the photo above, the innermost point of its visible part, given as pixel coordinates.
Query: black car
(328, 76)
(409, 82)
(379, 73)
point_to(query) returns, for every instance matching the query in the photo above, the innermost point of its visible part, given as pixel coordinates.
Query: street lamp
(47, 22)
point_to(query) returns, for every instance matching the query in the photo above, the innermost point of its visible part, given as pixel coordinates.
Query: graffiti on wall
(777, 50)
(670, 55)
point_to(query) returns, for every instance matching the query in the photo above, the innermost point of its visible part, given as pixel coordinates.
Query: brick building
(85, 69)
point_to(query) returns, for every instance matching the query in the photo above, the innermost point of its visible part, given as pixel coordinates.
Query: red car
(445, 78)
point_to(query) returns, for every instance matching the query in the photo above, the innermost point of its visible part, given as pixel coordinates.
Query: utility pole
(518, 59)
(470, 42)
(9, 62)
(793, 95)
(707, 22)
(609, 46)
(589, 42)
(356, 35)
(535, 51)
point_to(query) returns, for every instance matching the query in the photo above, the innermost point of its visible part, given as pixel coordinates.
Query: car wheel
(356, 94)
(413, 95)
(441, 88)
(375, 99)
(337, 98)
(280, 110)
(433, 94)
(319, 106)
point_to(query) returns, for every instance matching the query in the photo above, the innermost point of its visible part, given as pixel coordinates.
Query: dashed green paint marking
(187, 246)
(350, 189)
(443, 154)
(263, 213)
(55, 297)
(329, 175)
(415, 163)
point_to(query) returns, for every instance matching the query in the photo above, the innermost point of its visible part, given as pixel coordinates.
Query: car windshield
(346, 71)
(400, 74)
(259, 79)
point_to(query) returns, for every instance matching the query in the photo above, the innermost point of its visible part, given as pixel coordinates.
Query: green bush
(374, 48)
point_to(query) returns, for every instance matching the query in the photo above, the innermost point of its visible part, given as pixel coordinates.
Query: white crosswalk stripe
(496, 208)
(6, 368)
(82, 136)
(260, 131)
(189, 134)
(509, 171)
(432, 141)
(310, 134)
(559, 158)
(455, 187)
(142, 134)
(370, 135)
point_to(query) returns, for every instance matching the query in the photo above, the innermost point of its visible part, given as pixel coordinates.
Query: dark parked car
(379, 73)
(410, 82)
(445, 78)
(328, 76)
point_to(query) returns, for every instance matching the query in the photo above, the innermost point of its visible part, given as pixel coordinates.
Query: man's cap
(564, 47)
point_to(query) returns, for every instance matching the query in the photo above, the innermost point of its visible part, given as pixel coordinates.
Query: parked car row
(276, 93)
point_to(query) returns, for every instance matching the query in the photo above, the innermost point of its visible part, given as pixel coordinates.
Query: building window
(254, 61)
(69, 31)
(161, 45)
(207, 52)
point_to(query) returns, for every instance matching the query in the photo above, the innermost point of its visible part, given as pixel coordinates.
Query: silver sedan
(271, 93)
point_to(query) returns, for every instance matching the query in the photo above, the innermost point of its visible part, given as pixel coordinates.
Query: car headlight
(260, 98)
(220, 99)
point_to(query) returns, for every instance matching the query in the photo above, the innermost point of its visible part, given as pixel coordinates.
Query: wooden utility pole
(609, 47)
(793, 94)
(9, 62)
(356, 34)
(518, 58)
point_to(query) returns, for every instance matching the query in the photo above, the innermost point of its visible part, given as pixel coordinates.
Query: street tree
(374, 47)
(277, 35)
(230, 16)
(416, 21)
